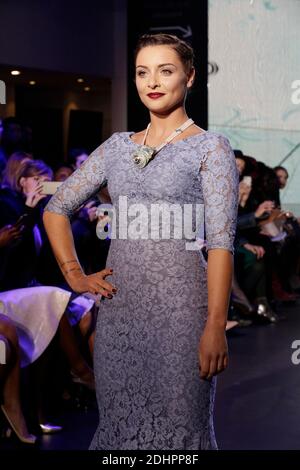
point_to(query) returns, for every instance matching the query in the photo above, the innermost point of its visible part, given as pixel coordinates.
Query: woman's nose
(153, 82)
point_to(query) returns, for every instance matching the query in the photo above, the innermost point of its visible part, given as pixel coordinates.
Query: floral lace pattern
(150, 395)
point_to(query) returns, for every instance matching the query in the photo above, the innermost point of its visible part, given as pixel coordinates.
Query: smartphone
(247, 180)
(21, 220)
(50, 187)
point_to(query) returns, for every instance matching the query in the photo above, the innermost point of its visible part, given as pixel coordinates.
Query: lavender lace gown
(150, 395)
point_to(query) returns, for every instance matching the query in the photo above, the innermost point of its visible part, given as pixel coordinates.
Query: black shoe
(243, 306)
(264, 312)
(243, 319)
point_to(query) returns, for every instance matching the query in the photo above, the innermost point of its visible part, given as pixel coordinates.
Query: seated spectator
(19, 206)
(251, 270)
(62, 172)
(10, 381)
(282, 175)
(77, 156)
(38, 313)
(11, 170)
(265, 187)
(291, 247)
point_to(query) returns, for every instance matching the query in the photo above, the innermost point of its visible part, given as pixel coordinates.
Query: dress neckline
(130, 133)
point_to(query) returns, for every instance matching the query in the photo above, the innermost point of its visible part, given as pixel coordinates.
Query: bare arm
(219, 277)
(74, 192)
(213, 349)
(61, 239)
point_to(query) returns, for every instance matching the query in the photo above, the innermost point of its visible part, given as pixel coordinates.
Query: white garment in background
(36, 313)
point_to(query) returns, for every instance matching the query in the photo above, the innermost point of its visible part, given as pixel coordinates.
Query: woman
(161, 325)
(20, 207)
(10, 380)
(38, 312)
(12, 168)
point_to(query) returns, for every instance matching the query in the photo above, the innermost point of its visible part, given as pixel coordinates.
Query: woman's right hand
(266, 206)
(93, 283)
(244, 192)
(34, 196)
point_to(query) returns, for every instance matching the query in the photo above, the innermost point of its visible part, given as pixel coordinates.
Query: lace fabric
(149, 391)
(81, 185)
(219, 180)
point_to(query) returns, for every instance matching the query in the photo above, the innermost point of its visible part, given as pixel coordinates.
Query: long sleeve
(220, 182)
(81, 185)
(246, 221)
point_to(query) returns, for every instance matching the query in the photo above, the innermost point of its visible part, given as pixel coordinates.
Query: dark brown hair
(183, 49)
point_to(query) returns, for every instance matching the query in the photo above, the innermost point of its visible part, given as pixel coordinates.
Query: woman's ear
(22, 182)
(191, 78)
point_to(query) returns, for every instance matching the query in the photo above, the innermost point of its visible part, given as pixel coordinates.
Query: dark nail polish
(114, 290)
(110, 296)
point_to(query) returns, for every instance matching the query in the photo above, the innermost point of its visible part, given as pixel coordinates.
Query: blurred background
(73, 83)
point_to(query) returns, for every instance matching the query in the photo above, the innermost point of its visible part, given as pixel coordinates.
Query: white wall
(256, 46)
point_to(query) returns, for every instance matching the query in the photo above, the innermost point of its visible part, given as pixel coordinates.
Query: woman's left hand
(213, 351)
(9, 233)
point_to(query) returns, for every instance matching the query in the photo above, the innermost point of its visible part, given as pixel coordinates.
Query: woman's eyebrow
(160, 65)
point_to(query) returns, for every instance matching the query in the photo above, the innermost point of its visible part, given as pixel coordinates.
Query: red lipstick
(155, 96)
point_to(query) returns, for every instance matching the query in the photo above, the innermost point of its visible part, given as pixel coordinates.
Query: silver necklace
(142, 156)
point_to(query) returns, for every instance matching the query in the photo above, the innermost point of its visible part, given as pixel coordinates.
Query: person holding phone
(20, 208)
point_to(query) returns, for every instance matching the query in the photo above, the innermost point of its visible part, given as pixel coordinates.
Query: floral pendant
(143, 155)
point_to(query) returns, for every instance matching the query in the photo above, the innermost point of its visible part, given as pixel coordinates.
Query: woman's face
(282, 178)
(161, 79)
(62, 174)
(29, 183)
(81, 159)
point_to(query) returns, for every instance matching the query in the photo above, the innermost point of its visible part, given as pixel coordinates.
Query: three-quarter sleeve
(220, 182)
(81, 185)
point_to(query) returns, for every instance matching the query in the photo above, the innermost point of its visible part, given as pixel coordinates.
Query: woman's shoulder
(117, 137)
(214, 140)
(216, 136)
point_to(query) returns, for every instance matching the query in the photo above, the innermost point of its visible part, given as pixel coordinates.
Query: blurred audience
(62, 172)
(77, 156)
(267, 243)
(267, 261)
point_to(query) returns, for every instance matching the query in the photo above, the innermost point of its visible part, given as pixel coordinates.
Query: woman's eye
(166, 72)
(141, 73)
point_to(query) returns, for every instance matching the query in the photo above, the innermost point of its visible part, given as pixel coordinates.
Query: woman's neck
(163, 126)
